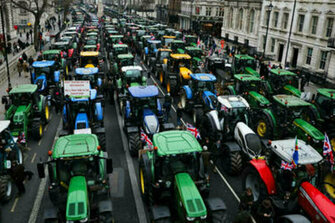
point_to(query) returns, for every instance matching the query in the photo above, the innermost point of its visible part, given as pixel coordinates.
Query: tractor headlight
(316, 141)
(168, 184)
(190, 219)
(84, 220)
(203, 217)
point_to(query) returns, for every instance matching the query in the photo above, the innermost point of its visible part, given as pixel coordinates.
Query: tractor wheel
(37, 130)
(121, 107)
(6, 188)
(251, 178)
(102, 141)
(332, 139)
(309, 115)
(196, 116)
(134, 144)
(46, 113)
(106, 217)
(207, 129)
(183, 99)
(329, 186)
(231, 162)
(263, 127)
(161, 77)
(171, 87)
(145, 179)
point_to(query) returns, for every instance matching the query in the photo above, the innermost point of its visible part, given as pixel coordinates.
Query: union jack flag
(286, 166)
(184, 38)
(295, 159)
(198, 42)
(152, 37)
(21, 138)
(193, 130)
(327, 149)
(145, 138)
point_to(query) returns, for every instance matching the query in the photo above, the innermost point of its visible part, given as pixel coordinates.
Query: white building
(201, 14)
(8, 17)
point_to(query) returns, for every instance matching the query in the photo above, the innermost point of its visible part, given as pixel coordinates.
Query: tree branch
(23, 6)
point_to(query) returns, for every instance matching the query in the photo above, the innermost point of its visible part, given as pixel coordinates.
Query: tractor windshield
(155, 46)
(279, 81)
(126, 62)
(177, 45)
(205, 85)
(167, 41)
(242, 64)
(85, 77)
(121, 50)
(21, 99)
(246, 86)
(163, 55)
(191, 39)
(327, 106)
(195, 53)
(88, 60)
(50, 56)
(42, 71)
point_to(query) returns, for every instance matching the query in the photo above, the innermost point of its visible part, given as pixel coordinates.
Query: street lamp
(267, 27)
(5, 44)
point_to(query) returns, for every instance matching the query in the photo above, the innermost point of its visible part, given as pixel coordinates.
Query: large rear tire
(6, 188)
(102, 141)
(37, 130)
(134, 144)
(172, 87)
(145, 179)
(106, 217)
(263, 127)
(251, 179)
(197, 115)
(231, 161)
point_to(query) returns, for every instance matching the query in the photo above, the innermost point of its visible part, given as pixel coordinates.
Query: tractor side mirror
(40, 170)
(109, 165)
(4, 100)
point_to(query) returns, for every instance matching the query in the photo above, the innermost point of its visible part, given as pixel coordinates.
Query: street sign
(77, 88)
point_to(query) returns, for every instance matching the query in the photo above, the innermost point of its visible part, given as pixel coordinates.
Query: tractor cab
(163, 55)
(45, 75)
(181, 64)
(89, 59)
(197, 54)
(150, 50)
(78, 164)
(284, 81)
(191, 40)
(244, 64)
(90, 48)
(166, 40)
(132, 76)
(177, 46)
(249, 84)
(118, 49)
(219, 67)
(122, 60)
(52, 55)
(90, 74)
(115, 39)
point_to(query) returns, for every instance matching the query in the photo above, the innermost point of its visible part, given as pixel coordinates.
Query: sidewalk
(25, 76)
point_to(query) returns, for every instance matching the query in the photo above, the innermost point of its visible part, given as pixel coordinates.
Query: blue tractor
(92, 75)
(47, 76)
(84, 115)
(142, 110)
(150, 50)
(199, 95)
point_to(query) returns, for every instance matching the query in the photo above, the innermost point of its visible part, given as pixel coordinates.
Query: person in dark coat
(24, 56)
(243, 216)
(247, 199)
(167, 106)
(18, 176)
(179, 116)
(265, 212)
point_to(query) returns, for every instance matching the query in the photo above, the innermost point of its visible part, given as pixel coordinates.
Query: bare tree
(37, 8)
(66, 5)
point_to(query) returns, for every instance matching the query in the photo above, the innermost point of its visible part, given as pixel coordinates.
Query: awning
(208, 24)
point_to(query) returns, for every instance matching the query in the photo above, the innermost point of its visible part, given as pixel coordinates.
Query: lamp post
(267, 27)
(5, 44)
(289, 35)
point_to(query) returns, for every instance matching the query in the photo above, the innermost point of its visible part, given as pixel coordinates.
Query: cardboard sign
(77, 88)
(83, 131)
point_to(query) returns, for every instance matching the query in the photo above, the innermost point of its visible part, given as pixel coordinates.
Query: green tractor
(244, 64)
(197, 58)
(173, 180)
(284, 82)
(118, 49)
(9, 153)
(78, 180)
(191, 40)
(27, 110)
(286, 117)
(121, 61)
(177, 46)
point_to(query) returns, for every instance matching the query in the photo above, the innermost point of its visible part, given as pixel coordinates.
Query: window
(231, 17)
(329, 30)
(221, 12)
(267, 16)
(208, 11)
(273, 42)
(217, 11)
(309, 55)
(301, 19)
(197, 10)
(275, 19)
(314, 26)
(23, 21)
(285, 20)
(252, 21)
(323, 60)
(240, 20)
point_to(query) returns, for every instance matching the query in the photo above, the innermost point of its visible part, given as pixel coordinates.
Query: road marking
(41, 188)
(28, 148)
(14, 204)
(33, 159)
(39, 142)
(142, 217)
(46, 127)
(25, 158)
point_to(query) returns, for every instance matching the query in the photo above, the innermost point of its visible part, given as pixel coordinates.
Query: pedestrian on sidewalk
(20, 66)
(24, 56)
(27, 35)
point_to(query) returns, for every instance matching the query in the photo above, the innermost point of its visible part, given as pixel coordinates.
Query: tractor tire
(102, 141)
(106, 217)
(331, 137)
(121, 107)
(145, 179)
(228, 91)
(207, 129)
(172, 87)
(309, 115)
(231, 162)
(252, 179)
(328, 187)
(263, 127)
(183, 99)
(6, 188)
(46, 113)
(134, 144)
(37, 130)
(196, 116)
(160, 77)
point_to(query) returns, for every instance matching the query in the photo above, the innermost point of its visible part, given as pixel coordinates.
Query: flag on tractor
(286, 166)
(198, 42)
(145, 138)
(327, 149)
(152, 38)
(295, 159)
(184, 38)
(193, 130)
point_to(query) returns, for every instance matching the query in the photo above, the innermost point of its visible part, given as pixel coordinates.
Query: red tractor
(290, 187)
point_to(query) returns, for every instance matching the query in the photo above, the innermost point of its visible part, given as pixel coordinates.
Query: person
(27, 35)
(24, 56)
(30, 61)
(20, 66)
(205, 155)
(167, 106)
(18, 175)
(247, 199)
(179, 116)
(265, 212)
(243, 216)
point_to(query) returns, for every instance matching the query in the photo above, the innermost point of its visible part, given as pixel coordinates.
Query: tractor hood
(309, 129)
(77, 199)
(19, 114)
(251, 71)
(150, 122)
(259, 98)
(212, 100)
(185, 73)
(190, 198)
(294, 91)
(82, 121)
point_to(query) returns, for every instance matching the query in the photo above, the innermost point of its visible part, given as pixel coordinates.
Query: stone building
(9, 22)
(205, 15)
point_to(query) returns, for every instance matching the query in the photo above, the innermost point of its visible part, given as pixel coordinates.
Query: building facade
(9, 21)
(205, 15)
